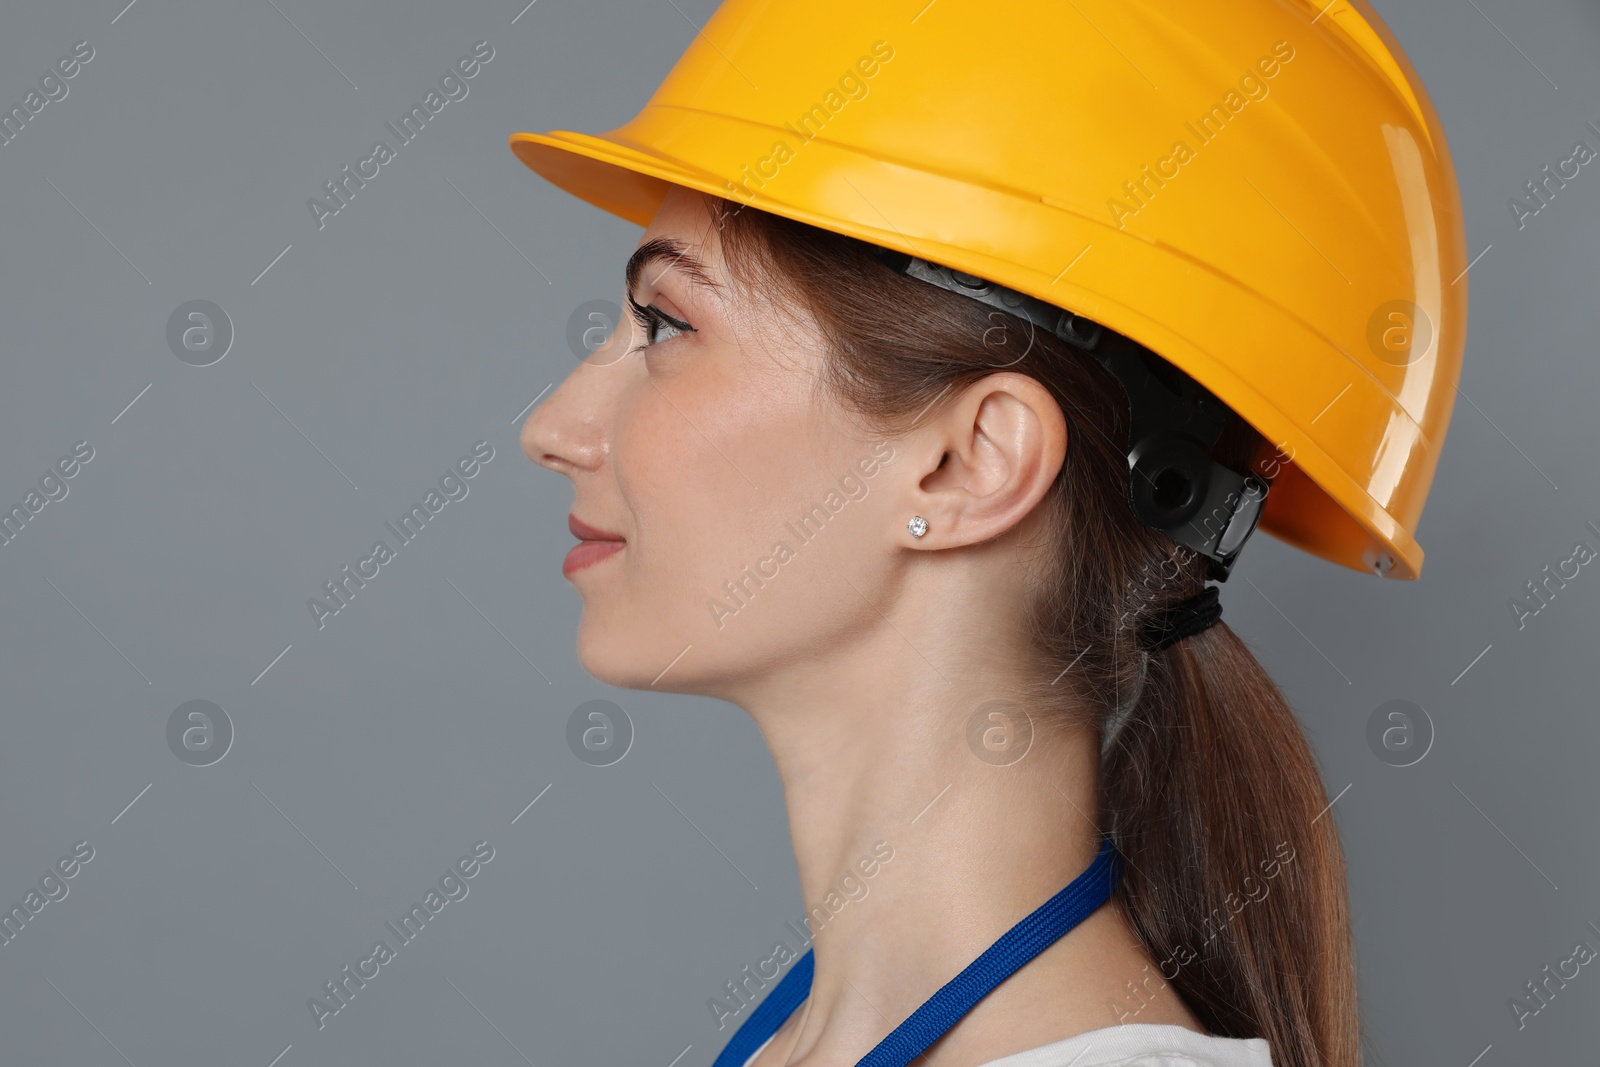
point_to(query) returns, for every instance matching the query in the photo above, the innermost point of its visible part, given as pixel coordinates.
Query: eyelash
(648, 316)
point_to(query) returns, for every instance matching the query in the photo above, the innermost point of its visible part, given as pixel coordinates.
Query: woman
(924, 459)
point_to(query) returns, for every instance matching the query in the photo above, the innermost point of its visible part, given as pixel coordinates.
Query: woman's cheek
(661, 468)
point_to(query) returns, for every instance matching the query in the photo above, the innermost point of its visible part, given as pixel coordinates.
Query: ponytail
(1236, 880)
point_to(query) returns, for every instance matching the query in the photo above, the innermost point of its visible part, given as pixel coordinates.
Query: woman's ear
(987, 457)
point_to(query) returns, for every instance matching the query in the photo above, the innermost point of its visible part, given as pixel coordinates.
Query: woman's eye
(649, 317)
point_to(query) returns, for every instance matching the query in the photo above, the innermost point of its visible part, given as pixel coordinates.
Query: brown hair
(1233, 874)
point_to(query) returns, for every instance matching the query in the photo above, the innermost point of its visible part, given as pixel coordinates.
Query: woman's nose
(567, 431)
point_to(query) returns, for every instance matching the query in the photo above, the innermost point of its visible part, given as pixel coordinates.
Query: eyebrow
(670, 249)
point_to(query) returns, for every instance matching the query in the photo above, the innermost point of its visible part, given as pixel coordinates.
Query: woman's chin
(597, 653)
(618, 659)
(636, 656)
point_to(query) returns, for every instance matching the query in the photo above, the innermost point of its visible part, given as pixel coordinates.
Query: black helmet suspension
(1173, 423)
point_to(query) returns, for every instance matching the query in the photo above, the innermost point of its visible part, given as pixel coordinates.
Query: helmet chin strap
(1173, 484)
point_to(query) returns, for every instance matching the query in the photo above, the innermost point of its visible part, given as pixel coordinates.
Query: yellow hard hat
(1263, 196)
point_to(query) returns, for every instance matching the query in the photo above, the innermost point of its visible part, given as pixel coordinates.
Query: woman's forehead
(686, 218)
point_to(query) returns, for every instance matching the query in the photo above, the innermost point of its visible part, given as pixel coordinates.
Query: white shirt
(1134, 1045)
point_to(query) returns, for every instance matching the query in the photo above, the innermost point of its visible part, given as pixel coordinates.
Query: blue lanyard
(1035, 933)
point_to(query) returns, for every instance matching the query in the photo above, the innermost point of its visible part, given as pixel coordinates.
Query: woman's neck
(918, 845)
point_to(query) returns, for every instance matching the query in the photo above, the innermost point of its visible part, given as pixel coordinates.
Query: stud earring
(918, 526)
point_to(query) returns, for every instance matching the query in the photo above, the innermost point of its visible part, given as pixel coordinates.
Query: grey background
(427, 715)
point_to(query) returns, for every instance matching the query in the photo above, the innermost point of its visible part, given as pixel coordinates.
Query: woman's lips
(586, 552)
(584, 532)
(593, 545)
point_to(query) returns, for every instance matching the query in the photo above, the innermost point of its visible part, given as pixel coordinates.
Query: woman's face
(751, 508)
